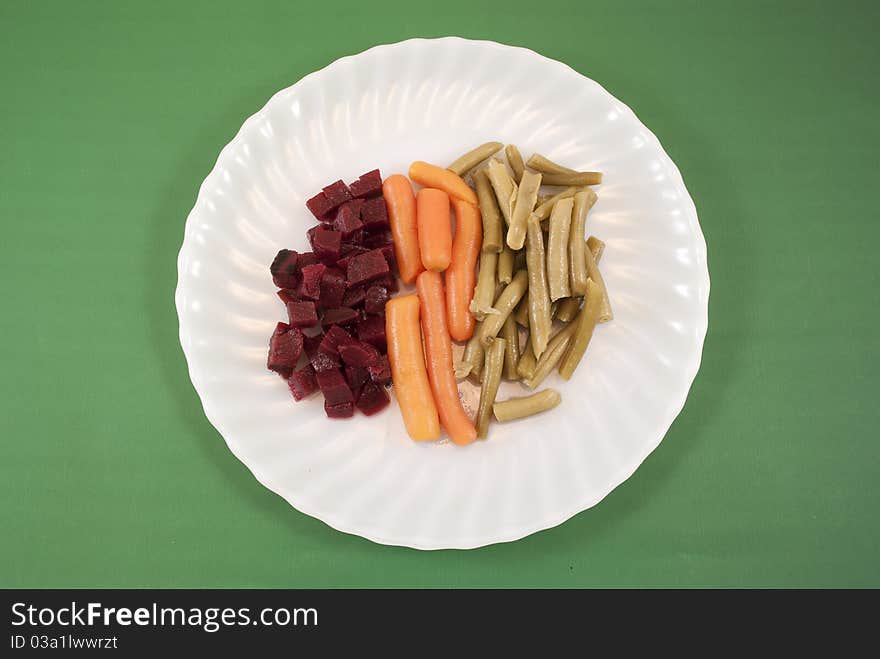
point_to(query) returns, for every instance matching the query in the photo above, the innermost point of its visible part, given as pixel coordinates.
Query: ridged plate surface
(431, 99)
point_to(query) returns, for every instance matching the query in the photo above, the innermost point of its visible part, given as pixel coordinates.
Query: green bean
(510, 333)
(527, 362)
(596, 246)
(605, 313)
(504, 187)
(555, 349)
(472, 358)
(578, 178)
(521, 314)
(505, 304)
(466, 162)
(517, 408)
(539, 297)
(519, 259)
(484, 291)
(584, 325)
(557, 249)
(491, 381)
(568, 309)
(578, 274)
(491, 214)
(505, 264)
(514, 159)
(526, 197)
(542, 212)
(554, 308)
(546, 166)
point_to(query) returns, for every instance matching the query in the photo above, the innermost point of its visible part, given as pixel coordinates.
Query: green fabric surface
(111, 115)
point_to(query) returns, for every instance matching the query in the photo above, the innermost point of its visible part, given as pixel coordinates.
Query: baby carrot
(438, 351)
(432, 176)
(435, 229)
(401, 203)
(408, 368)
(460, 277)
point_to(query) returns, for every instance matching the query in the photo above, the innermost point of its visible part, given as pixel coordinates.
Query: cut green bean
(527, 362)
(515, 160)
(505, 304)
(578, 274)
(596, 246)
(605, 313)
(557, 249)
(526, 197)
(517, 408)
(504, 187)
(484, 291)
(521, 314)
(542, 212)
(472, 358)
(491, 215)
(546, 166)
(466, 162)
(578, 178)
(510, 333)
(568, 309)
(505, 264)
(584, 324)
(519, 260)
(491, 380)
(539, 296)
(554, 308)
(555, 349)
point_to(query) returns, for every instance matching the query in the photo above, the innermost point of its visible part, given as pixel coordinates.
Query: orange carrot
(408, 372)
(401, 203)
(438, 350)
(460, 277)
(432, 176)
(435, 229)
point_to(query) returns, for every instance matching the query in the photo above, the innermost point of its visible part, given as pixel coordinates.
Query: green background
(112, 113)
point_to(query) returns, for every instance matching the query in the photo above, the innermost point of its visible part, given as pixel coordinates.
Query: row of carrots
(442, 266)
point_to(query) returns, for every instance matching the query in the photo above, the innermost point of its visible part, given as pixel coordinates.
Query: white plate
(430, 100)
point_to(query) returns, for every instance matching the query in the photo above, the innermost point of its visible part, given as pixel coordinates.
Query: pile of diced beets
(335, 296)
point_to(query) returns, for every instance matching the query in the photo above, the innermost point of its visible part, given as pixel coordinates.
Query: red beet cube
(335, 337)
(372, 330)
(302, 314)
(356, 376)
(311, 343)
(368, 185)
(285, 347)
(325, 243)
(375, 299)
(374, 214)
(388, 253)
(289, 295)
(332, 289)
(381, 239)
(354, 297)
(311, 282)
(358, 353)
(389, 281)
(321, 362)
(339, 316)
(372, 399)
(334, 387)
(285, 269)
(337, 194)
(348, 252)
(347, 221)
(307, 258)
(302, 382)
(340, 411)
(366, 267)
(380, 373)
(320, 205)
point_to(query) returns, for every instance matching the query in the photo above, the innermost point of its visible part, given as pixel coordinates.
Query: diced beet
(339, 316)
(368, 185)
(311, 343)
(325, 243)
(358, 353)
(380, 239)
(372, 399)
(320, 205)
(340, 411)
(302, 382)
(302, 314)
(354, 297)
(334, 387)
(388, 253)
(307, 258)
(332, 288)
(289, 295)
(374, 214)
(335, 337)
(381, 373)
(348, 219)
(357, 238)
(367, 266)
(311, 282)
(321, 362)
(372, 330)
(285, 269)
(348, 252)
(337, 194)
(389, 281)
(356, 376)
(285, 347)
(375, 299)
